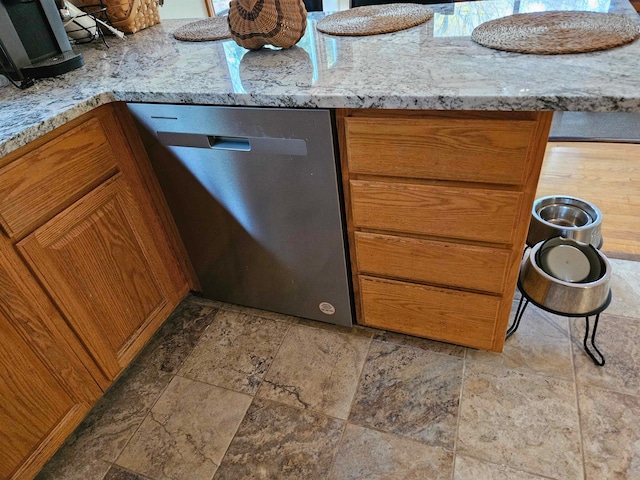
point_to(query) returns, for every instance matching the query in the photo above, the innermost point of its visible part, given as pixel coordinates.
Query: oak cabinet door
(97, 262)
(32, 402)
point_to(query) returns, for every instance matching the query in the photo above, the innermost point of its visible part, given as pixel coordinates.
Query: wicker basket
(256, 23)
(127, 15)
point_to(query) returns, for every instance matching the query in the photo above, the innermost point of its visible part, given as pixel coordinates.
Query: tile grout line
(111, 464)
(253, 395)
(610, 390)
(510, 467)
(179, 367)
(173, 375)
(521, 370)
(275, 355)
(575, 386)
(353, 399)
(144, 477)
(455, 440)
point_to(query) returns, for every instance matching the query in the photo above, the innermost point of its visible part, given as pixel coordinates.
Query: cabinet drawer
(437, 313)
(454, 212)
(46, 180)
(473, 150)
(465, 266)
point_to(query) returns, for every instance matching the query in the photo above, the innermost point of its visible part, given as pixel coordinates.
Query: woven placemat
(375, 19)
(215, 28)
(557, 32)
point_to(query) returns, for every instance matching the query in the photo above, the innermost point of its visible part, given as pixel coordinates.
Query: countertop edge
(345, 100)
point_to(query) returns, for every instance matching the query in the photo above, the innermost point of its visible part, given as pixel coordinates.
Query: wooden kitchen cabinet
(35, 404)
(97, 267)
(438, 206)
(87, 225)
(45, 390)
(94, 260)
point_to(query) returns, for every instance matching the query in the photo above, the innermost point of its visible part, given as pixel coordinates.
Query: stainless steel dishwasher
(254, 193)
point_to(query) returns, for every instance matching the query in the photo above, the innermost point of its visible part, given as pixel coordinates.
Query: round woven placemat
(215, 28)
(375, 19)
(556, 32)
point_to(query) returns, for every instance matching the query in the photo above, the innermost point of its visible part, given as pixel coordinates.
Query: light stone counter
(432, 66)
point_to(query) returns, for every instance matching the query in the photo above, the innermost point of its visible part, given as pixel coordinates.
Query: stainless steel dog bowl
(567, 217)
(566, 276)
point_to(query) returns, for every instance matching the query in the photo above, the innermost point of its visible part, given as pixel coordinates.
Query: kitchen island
(427, 121)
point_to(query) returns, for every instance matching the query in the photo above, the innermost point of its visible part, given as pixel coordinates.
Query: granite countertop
(432, 66)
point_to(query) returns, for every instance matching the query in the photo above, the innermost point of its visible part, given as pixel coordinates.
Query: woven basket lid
(215, 28)
(375, 19)
(557, 32)
(256, 23)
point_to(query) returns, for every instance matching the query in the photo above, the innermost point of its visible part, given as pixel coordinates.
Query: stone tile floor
(228, 392)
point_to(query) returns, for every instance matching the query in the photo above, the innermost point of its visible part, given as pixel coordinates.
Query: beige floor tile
(542, 344)
(118, 473)
(108, 427)
(281, 317)
(235, 351)
(366, 454)
(625, 287)
(276, 441)
(74, 465)
(177, 337)
(618, 339)
(467, 468)
(611, 434)
(358, 330)
(316, 369)
(522, 420)
(423, 343)
(196, 299)
(255, 312)
(186, 433)
(409, 392)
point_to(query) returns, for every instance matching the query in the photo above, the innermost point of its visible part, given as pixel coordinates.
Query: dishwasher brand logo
(327, 308)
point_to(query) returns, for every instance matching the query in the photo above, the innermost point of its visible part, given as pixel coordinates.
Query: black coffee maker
(33, 42)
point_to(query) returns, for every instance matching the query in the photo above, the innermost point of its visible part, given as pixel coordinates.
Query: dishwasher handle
(240, 144)
(281, 146)
(195, 140)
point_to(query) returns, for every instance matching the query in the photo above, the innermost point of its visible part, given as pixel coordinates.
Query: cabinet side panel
(535, 156)
(143, 182)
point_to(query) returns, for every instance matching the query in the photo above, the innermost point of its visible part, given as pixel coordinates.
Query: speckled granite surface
(432, 66)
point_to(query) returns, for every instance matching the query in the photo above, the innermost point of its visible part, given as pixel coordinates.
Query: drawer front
(449, 264)
(491, 151)
(46, 180)
(448, 315)
(453, 212)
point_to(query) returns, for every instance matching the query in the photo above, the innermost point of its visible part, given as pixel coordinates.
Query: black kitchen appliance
(33, 42)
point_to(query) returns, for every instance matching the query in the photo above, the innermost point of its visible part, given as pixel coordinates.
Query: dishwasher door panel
(256, 201)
